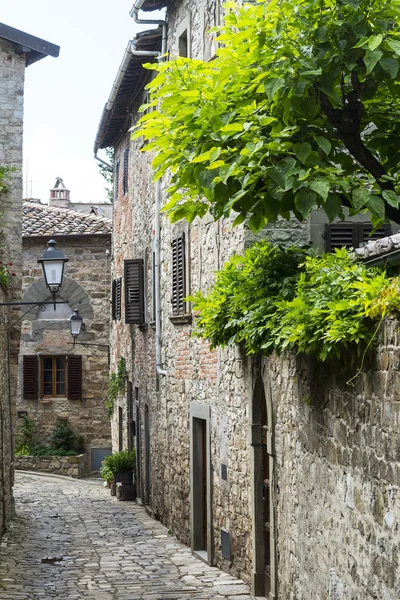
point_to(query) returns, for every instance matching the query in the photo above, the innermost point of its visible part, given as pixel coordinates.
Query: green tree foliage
(275, 299)
(298, 110)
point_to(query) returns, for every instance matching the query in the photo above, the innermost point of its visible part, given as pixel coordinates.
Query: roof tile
(40, 219)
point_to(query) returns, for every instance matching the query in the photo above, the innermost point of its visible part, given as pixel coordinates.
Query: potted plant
(106, 470)
(123, 466)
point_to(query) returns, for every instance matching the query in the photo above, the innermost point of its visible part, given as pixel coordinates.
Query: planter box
(71, 466)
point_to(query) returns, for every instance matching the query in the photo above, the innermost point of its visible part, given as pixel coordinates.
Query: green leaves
(371, 58)
(305, 201)
(271, 87)
(274, 299)
(302, 151)
(263, 126)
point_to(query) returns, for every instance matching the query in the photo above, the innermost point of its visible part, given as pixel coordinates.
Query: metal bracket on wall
(41, 305)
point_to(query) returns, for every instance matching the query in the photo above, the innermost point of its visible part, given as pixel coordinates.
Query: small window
(125, 173)
(183, 36)
(183, 44)
(53, 376)
(58, 377)
(178, 276)
(352, 235)
(116, 299)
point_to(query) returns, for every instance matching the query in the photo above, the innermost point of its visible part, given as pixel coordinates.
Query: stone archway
(264, 563)
(70, 291)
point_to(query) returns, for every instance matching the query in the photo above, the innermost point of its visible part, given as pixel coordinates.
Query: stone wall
(69, 466)
(86, 286)
(12, 73)
(337, 459)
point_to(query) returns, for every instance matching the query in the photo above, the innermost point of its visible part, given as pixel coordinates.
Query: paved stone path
(71, 540)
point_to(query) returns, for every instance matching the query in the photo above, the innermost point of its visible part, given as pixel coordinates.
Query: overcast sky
(65, 96)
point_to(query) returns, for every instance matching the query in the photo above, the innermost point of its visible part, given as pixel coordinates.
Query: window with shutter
(74, 377)
(113, 298)
(125, 173)
(352, 235)
(178, 276)
(31, 377)
(116, 180)
(116, 299)
(134, 292)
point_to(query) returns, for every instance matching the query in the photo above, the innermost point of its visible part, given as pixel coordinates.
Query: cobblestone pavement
(71, 540)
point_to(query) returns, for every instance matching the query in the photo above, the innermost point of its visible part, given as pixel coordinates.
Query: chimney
(59, 195)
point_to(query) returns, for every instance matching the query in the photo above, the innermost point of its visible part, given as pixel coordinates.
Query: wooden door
(204, 482)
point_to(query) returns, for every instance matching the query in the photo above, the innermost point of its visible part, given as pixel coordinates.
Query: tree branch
(347, 121)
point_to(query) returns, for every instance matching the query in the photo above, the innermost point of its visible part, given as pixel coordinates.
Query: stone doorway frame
(260, 390)
(201, 412)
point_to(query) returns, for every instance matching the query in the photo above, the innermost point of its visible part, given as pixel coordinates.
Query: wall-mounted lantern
(53, 262)
(75, 324)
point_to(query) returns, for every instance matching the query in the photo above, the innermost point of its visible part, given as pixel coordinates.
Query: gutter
(135, 15)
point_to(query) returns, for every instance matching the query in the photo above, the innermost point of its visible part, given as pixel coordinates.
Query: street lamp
(53, 262)
(75, 324)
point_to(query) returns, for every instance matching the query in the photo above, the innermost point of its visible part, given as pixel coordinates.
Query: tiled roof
(40, 219)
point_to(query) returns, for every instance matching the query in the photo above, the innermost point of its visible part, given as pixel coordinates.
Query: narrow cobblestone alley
(71, 540)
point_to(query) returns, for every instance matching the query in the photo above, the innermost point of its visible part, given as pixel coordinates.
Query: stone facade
(86, 287)
(69, 466)
(12, 74)
(222, 438)
(337, 475)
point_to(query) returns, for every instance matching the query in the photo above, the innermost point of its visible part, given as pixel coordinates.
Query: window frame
(53, 358)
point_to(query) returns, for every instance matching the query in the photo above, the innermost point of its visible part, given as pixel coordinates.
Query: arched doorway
(263, 580)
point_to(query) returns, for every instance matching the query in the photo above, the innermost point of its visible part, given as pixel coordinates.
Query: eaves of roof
(33, 47)
(149, 5)
(130, 79)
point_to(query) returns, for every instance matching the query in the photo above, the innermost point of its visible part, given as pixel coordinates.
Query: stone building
(57, 379)
(18, 50)
(271, 469)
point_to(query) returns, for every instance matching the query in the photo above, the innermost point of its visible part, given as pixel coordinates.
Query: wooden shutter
(31, 375)
(116, 299)
(380, 233)
(113, 300)
(178, 275)
(125, 172)
(116, 181)
(339, 235)
(352, 235)
(134, 291)
(74, 377)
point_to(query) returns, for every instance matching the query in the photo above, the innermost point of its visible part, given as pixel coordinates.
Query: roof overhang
(131, 78)
(33, 47)
(149, 5)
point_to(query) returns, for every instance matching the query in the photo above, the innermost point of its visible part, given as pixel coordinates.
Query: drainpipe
(135, 15)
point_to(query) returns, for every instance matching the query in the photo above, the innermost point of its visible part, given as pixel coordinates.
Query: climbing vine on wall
(116, 386)
(5, 271)
(276, 299)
